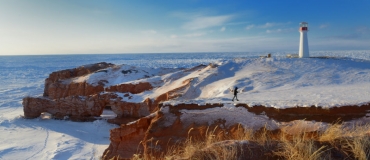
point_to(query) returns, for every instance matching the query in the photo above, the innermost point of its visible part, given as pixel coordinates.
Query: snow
(283, 82)
(52, 139)
(230, 113)
(169, 117)
(276, 82)
(121, 74)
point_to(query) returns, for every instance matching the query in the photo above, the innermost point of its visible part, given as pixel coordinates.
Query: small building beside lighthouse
(303, 42)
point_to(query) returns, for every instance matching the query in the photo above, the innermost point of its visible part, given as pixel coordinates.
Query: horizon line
(56, 54)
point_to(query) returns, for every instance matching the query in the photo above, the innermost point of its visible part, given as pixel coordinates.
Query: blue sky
(138, 26)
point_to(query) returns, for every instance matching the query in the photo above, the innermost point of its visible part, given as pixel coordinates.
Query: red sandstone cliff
(68, 93)
(74, 107)
(171, 125)
(55, 89)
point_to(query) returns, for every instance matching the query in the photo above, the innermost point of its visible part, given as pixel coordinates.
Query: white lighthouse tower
(303, 42)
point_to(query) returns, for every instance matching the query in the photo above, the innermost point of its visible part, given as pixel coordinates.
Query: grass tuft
(336, 141)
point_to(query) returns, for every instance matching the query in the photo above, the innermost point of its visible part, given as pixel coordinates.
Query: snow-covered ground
(283, 82)
(277, 82)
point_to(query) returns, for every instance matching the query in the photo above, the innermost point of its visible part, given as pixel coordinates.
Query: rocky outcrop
(75, 107)
(100, 85)
(130, 88)
(126, 140)
(139, 96)
(84, 108)
(128, 109)
(55, 89)
(313, 113)
(81, 101)
(153, 134)
(173, 124)
(60, 89)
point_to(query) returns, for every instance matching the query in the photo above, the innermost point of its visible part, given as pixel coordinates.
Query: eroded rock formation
(74, 107)
(73, 93)
(83, 101)
(138, 95)
(313, 113)
(54, 88)
(126, 140)
(173, 124)
(131, 88)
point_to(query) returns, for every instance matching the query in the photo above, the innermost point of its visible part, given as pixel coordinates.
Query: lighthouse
(303, 42)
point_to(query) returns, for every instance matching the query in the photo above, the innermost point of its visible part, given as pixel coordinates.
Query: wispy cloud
(202, 22)
(358, 33)
(190, 35)
(266, 25)
(250, 27)
(236, 23)
(322, 26)
(363, 29)
(223, 29)
(149, 31)
(279, 30)
(346, 36)
(347, 42)
(194, 35)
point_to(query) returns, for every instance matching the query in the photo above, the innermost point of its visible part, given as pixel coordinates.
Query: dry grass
(337, 141)
(300, 148)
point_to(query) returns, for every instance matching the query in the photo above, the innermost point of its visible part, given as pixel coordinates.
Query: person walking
(235, 94)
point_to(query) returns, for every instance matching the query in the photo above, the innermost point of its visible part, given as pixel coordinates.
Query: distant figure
(235, 94)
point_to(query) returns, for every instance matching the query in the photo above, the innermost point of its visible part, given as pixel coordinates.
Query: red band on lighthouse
(303, 28)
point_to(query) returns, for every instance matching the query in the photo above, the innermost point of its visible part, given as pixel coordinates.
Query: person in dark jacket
(235, 94)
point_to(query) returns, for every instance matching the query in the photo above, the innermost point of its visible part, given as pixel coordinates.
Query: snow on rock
(230, 114)
(283, 83)
(74, 107)
(129, 91)
(55, 88)
(119, 74)
(173, 104)
(273, 82)
(174, 124)
(277, 93)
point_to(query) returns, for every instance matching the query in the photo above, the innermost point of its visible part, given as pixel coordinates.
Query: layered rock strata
(54, 88)
(313, 113)
(81, 101)
(138, 94)
(173, 124)
(82, 93)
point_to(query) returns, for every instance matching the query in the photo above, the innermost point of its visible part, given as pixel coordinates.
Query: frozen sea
(22, 76)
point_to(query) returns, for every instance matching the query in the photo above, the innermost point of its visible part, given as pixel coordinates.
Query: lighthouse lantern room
(303, 42)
